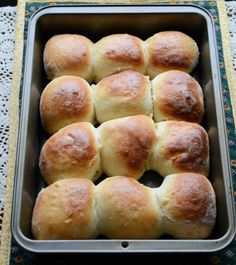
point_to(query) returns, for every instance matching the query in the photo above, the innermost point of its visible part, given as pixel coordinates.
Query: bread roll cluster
(172, 95)
(126, 146)
(72, 54)
(143, 113)
(121, 208)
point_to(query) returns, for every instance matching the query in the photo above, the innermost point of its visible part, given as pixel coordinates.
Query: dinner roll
(127, 209)
(126, 145)
(123, 94)
(177, 96)
(187, 201)
(119, 207)
(116, 53)
(68, 54)
(168, 50)
(65, 100)
(72, 152)
(65, 210)
(181, 147)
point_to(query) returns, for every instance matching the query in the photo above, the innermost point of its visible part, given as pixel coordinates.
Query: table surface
(4, 129)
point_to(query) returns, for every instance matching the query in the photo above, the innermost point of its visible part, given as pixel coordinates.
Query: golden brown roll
(127, 209)
(65, 210)
(126, 145)
(123, 94)
(188, 205)
(72, 152)
(116, 53)
(68, 54)
(169, 50)
(65, 100)
(181, 147)
(177, 96)
(119, 207)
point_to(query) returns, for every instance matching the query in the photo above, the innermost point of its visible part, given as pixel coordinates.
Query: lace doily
(231, 10)
(7, 35)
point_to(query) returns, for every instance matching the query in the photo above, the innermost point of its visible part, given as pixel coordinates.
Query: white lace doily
(7, 34)
(7, 22)
(231, 10)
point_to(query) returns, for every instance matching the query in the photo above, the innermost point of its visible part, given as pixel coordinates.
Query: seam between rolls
(156, 195)
(97, 230)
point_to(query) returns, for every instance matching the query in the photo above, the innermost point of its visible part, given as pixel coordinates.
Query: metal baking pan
(96, 21)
